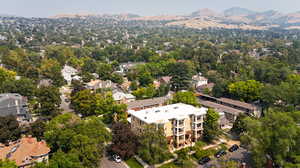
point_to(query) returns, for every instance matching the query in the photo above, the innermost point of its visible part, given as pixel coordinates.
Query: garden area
(133, 163)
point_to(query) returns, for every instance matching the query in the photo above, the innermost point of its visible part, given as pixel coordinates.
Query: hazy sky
(44, 8)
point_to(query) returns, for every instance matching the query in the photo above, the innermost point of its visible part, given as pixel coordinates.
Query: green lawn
(133, 163)
(169, 165)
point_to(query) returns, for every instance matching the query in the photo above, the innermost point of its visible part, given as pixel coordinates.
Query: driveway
(107, 162)
(65, 106)
(241, 155)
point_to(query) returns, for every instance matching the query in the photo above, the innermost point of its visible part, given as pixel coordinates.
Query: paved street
(64, 91)
(241, 155)
(109, 163)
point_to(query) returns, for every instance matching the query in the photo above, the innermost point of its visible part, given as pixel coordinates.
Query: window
(181, 122)
(199, 117)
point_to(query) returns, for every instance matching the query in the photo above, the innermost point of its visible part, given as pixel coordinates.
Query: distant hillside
(233, 18)
(237, 11)
(204, 13)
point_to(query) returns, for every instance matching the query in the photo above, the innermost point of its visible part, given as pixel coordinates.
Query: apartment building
(182, 123)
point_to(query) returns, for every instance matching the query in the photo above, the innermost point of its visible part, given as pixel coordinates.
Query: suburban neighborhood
(203, 89)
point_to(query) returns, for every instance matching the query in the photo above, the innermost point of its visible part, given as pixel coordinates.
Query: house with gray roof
(14, 104)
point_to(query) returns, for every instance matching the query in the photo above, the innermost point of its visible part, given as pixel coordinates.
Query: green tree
(87, 104)
(6, 75)
(49, 99)
(7, 164)
(133, 86)
(82, 139)
(83, 102)
(211, 125)
(276, 135)
(181, 73)
(145, 92)
(239, 125)
(184, 159)
(37, 129)
(246, 90)
(145, 79)
(186, 98)
(153, 146)
(9, 129)
(116, 78)
(51, 68)
(124, 141)
(26, 87)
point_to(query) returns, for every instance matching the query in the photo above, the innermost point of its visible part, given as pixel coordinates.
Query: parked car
(117, 158)
(220, 153)
(204, 160)
(233, 148)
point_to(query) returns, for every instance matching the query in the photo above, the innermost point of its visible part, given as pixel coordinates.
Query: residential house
(205, 88)
(182, 123)
(100, 84)
(25, 152)
(45, 83)
(69, 73)
(125, 85)
(199, 80)
(16, 105)
(125, 67)
(165, 80)
(122, 97)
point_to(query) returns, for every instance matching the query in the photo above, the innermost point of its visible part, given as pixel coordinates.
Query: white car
(117, 158)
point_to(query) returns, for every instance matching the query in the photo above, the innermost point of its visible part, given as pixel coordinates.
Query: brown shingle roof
(147, 102)
(220, 107)
(237, 103)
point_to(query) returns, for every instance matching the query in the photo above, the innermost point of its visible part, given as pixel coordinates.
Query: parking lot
(241, 155)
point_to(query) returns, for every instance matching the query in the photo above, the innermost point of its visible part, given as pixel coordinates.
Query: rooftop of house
(209, 86)
(199, 78)
(121, 95)
(163, 114)
(97, 82)
(147, 102)
(5, 96)
(24, 150)
(166, 79)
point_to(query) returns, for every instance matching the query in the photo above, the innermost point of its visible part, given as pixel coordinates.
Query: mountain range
(233, 18)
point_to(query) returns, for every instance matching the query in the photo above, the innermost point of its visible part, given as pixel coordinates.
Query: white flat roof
(165, 113)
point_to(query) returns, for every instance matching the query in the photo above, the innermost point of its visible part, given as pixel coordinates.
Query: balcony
(178, 131)
(198, 119)
(178, 124)
(197, 126)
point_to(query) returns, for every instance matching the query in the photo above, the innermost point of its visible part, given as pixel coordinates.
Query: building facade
(182, 124)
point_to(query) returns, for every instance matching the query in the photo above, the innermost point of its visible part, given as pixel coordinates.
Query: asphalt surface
(241, 155)
(65, 106)
(107, 162)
